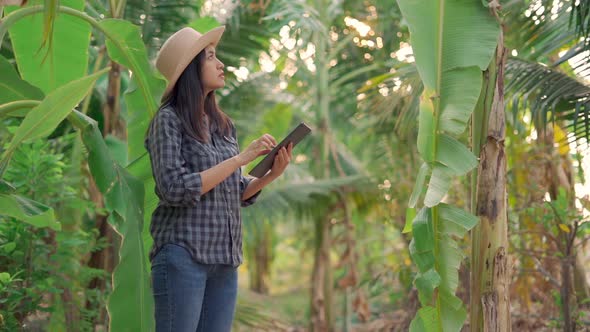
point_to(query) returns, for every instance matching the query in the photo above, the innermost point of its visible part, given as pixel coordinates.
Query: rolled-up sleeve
(244, 181)
(175, 185)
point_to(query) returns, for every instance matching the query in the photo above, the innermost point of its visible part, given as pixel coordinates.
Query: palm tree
(328, 87)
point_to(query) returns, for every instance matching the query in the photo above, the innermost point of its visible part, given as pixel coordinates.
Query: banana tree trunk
(490, 297)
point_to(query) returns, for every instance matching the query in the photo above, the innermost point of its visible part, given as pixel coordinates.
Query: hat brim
(211, 37)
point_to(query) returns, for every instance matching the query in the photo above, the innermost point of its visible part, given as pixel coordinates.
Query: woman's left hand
(282, 160)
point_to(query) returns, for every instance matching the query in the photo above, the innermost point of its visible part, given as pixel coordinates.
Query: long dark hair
(191, 104)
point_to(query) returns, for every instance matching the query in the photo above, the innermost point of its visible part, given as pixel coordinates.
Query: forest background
(443, 189)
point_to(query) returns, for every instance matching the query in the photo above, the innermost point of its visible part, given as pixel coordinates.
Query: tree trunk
(561, 170)
(580, 281)
(71, 310)
(562, 176)
(567, 296)
(349, 261)
(319, 306)
(533, 181)
(101, 259)
(260, 275)
(490, 298)
(113, 123)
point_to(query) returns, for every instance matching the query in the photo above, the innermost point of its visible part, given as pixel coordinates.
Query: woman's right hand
(260, 146)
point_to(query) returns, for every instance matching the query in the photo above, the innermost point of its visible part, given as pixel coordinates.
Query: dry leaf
(349, 280)
(361, 306)
(564, 228)
(13, 2)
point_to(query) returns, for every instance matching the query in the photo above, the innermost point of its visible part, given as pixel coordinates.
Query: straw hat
(180, 49)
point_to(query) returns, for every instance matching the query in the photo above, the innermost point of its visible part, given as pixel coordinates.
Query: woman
(196, 164)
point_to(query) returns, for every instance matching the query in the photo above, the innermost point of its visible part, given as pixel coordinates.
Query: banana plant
(453, 42)
(123, 44)
(114, 177)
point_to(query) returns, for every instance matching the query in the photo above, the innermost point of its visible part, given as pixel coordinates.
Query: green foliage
(33, 171)
(549, 95)
(13, 87)
(276, 122)
(557, 216)
(453, 42)
(157, 18)
(451, 70)
(124, 197)
(142, 97)
(44, 118)
(204, 24)
(39, 261)
(425, 320)
(56, 63)
(438, 258)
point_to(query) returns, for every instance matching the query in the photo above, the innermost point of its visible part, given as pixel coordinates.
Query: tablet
(295, 137)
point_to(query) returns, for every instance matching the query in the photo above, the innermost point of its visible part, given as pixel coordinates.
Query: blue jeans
(192, 297)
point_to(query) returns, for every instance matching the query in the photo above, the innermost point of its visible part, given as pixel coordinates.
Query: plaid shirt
(209, 226)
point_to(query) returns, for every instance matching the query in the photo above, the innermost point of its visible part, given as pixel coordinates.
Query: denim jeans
(192, 297)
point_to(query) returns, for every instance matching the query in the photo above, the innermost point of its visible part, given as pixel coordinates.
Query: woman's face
(212, 71)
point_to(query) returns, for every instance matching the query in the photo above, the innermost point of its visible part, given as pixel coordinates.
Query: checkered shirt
(208, 225)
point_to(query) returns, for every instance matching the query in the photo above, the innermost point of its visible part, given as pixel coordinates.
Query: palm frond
(537, 34)
(303, 18)
(391, 100)
(304, 197)
(549, 94)
(159, 19)
(245, 37)
(250, 314)
(581, 16)
(571, 53)
(348, 160)
(539, 30)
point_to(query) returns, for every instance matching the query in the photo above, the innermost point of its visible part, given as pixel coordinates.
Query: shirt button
(228, 190)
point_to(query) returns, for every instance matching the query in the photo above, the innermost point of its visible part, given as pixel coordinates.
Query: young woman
(196, 164)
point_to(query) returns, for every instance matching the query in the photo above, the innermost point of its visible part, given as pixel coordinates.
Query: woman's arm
(216, 174)
(177, 185)
(256, 185)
